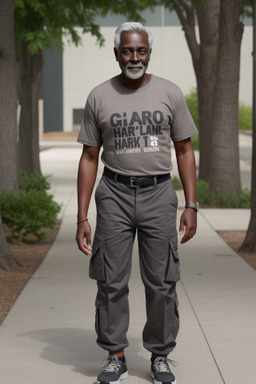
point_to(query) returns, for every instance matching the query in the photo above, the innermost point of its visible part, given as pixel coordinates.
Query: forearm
(87, 173)
(187, 172)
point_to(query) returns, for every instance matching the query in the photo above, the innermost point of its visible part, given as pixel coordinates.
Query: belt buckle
(132, 179)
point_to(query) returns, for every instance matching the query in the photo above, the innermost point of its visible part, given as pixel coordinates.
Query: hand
(188, 224)
(84, 233)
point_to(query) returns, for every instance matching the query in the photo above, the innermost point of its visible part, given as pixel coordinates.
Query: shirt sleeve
(183, 125)
(90, 133)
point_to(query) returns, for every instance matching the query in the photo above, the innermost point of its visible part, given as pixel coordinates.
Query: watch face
(194, 206)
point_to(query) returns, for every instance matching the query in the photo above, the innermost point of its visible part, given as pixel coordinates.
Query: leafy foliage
(183, 5)
(176, 183)
(248, 8)
(245, 117)
(43, 23)
(245, 111)
(31, 210)
(220, 199)
(192, 103)
(33, 181)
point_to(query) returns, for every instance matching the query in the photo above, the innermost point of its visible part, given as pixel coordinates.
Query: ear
(116, 54)
(150, 54)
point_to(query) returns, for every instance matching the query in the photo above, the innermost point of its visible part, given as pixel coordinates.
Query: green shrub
(192, 103)
(30, 211)
(32, 181)
(176, 183)
(195, 142)
(203, 194)
(245, 201)
(245, 117)
(220, 199)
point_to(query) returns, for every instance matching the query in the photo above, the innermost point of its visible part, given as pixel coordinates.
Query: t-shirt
(135, 127)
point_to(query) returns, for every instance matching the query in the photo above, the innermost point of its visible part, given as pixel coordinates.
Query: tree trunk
(249, 244)
(204, 57)
(208, 21)
(7, 258)
(8, 100)
(31, 67)
(8, 116)
(225, 170)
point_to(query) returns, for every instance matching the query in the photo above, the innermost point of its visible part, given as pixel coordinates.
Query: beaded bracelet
(81, 221)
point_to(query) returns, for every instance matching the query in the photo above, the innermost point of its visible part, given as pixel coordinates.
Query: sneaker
(115, 370)
(160, 370)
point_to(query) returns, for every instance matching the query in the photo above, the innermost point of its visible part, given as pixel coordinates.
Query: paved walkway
(48, 336)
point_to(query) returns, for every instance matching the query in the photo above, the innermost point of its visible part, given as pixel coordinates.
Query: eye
(126, 51)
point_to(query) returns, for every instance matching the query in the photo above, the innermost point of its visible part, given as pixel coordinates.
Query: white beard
(131, 74)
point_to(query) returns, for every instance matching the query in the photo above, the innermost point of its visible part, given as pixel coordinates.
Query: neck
(134, 84)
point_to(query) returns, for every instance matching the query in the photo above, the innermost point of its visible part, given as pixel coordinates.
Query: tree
(204, 58)
(8, 100)
(221, 29)
(209, 59)
(249, 244)
(224, 166)
(7, 257)
(38, 25)
(8, 113)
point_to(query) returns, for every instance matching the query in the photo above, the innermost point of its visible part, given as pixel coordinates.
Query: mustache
(135, 65)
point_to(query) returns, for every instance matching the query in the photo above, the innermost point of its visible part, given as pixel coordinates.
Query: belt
(136, 181)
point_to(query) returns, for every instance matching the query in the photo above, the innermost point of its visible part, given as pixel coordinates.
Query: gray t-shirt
(135, 127)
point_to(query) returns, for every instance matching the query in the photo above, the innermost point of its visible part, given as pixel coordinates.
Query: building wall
(246, 69)
(88, 65)
(52, 91)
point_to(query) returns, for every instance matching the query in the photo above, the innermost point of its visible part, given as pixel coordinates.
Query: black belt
(136, 181)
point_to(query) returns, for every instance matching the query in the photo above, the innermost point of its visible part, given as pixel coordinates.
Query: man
(134, 116)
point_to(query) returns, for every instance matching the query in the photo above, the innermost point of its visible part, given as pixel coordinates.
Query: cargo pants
(121, 211)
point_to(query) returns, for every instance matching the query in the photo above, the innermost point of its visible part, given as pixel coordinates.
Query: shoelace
(161, 364)
(112, 363)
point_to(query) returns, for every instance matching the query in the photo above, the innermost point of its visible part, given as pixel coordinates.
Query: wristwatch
(194, 206)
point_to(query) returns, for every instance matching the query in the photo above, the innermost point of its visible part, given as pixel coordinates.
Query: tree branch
(186, 15)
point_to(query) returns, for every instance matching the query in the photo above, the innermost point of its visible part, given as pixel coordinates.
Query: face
(133, 54)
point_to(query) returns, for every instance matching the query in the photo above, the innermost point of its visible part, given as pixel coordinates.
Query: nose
(135, 57)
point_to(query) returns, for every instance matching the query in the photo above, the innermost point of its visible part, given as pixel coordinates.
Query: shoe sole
(160, 382)
(122, 377)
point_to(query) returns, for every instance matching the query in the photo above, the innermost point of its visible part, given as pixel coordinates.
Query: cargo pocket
(173, 266)
(97, 269)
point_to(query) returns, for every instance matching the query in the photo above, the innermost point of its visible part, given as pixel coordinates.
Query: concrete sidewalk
(48, 336)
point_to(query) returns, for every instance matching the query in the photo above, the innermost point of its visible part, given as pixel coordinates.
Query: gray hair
(129, 27)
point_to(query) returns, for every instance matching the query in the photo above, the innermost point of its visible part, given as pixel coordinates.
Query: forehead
(134, 38)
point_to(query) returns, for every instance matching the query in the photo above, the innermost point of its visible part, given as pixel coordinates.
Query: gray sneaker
(160, 370)
(115, 370)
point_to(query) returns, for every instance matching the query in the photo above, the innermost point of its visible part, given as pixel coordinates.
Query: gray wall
(52, 83)
(52, 90)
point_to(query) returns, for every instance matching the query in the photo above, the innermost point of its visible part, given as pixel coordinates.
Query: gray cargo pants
(121, 210)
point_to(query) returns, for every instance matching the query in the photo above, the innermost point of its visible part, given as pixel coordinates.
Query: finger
(181, 227)
(189, 233)
(88, 250)
(80, 239)
(88, 240)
